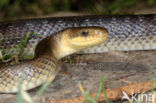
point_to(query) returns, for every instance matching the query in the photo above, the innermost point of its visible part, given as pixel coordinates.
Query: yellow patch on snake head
(80, 38)
(75, 39)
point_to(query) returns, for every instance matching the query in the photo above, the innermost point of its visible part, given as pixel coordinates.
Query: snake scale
(126, 33)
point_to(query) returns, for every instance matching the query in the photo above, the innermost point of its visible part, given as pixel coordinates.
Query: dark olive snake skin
(126, 33)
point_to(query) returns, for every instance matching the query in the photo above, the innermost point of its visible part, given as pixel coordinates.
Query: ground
(119, 68)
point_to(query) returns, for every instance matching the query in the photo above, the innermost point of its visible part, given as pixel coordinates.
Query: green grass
(86, 95)
(5, 54)
(19, 94)
(43, 88)
(1, 56)
(100, 89)
(23, 95)
(24, 41)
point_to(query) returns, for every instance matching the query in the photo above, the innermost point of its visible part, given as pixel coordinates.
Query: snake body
(44, 66)
(126, 32)
(131, 32)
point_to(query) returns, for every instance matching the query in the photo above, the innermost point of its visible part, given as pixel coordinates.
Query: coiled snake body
(135, 32)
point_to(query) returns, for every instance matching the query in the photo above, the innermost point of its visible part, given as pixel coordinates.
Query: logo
(140, 98)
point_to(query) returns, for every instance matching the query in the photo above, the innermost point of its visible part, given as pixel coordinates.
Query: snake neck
(60, 48)
(47, 47)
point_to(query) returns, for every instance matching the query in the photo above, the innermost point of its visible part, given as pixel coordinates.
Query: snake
(62, 36)
(49, 51)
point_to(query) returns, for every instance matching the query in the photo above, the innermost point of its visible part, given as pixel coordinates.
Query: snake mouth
(81, 38)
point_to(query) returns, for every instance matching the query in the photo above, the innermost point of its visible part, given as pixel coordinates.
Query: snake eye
(84, 33)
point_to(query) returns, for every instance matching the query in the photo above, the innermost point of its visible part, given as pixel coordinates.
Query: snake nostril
(84, 33)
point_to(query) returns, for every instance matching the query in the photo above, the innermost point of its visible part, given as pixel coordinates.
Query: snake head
(76, 39)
